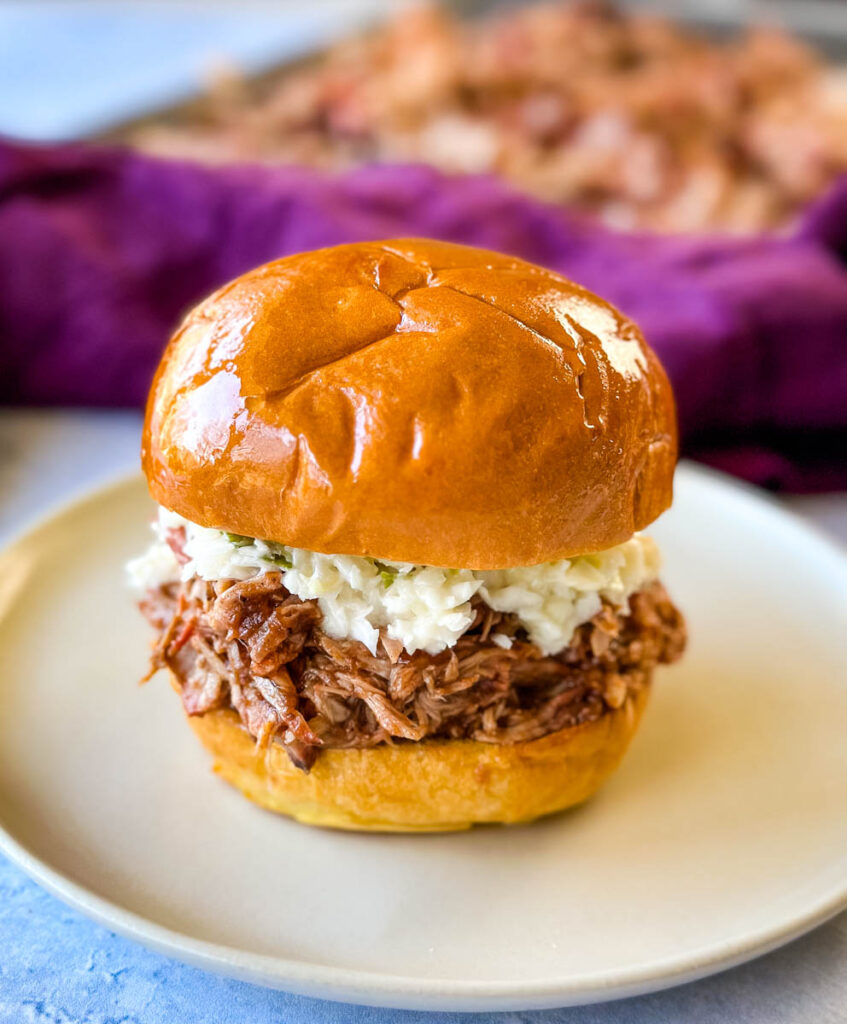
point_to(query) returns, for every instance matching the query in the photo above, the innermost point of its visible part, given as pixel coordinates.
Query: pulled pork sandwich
(397, 578)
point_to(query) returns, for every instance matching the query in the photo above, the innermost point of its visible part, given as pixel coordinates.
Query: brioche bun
(430, 786)
(415, 401)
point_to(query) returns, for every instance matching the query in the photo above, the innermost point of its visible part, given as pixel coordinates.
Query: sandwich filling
(318, 651)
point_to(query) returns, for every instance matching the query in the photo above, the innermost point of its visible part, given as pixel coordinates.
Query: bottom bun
(430, 786)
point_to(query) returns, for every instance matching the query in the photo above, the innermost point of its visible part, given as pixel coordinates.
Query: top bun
(414, 401)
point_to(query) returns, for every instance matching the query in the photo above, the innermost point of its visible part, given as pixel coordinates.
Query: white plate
(722, 836)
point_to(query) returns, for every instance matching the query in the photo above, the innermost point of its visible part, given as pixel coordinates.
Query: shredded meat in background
(639, 120)
(256, 648)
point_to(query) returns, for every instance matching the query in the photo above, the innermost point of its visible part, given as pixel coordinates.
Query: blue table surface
(59, 968)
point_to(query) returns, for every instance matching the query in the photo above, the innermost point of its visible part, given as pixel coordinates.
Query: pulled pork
(257, 648)
(637, 120)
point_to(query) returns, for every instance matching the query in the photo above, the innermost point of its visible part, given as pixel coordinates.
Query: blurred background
(685, 160)
(675, 117)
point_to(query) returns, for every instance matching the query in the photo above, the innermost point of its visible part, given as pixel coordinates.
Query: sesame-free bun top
(415, 401)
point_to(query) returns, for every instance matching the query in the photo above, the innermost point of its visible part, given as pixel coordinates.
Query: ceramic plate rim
(406, 992)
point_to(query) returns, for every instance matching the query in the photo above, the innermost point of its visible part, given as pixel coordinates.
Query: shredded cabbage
(422, 606)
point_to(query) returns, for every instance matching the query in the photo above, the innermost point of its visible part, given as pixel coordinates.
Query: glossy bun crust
(431, 786)
(415, 401)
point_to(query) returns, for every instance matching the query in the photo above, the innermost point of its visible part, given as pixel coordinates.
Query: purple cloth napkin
(101, 251)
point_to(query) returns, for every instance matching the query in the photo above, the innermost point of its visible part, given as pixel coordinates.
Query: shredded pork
(255, 647)
(639, 120)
